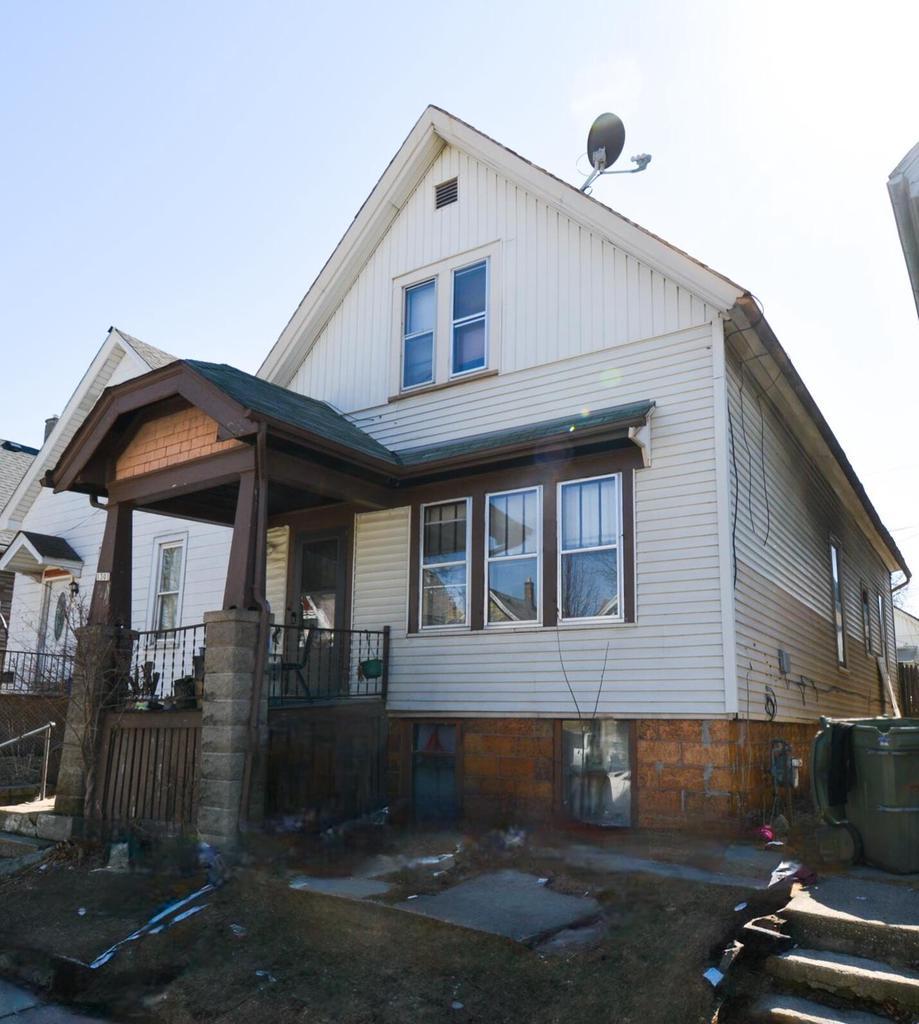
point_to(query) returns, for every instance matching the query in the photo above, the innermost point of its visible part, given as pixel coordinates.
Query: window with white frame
(445, 564)
(167, 596)
(882, 626)
(866, 622)
(513, 542)
(470, 318)
(589, 549)
(419, 324)
(839, 621)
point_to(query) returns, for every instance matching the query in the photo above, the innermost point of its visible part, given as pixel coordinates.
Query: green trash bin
(865, 774)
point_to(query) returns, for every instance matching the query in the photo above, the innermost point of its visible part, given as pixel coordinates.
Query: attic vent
(445, 193)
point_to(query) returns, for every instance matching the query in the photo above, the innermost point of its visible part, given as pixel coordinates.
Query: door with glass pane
(321, 648)
(434, 793)
(596, 771)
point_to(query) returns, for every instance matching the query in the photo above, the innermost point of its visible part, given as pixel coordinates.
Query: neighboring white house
(15, 459)
(53, 539)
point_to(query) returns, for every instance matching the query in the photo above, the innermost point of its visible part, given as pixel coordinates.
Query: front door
(56, 643)
(322, 600)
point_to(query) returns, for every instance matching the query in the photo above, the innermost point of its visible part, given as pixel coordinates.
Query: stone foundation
(685, 773)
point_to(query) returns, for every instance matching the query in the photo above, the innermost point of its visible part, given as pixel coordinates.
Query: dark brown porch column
(111, 600)
(246, 571)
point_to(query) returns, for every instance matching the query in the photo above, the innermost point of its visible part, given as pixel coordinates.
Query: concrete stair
(853, 978)
(786, 1009)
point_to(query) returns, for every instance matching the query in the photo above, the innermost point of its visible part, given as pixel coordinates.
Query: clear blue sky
(183, 170)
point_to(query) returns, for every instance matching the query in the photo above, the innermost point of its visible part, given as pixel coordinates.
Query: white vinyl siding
(670, 661)
(785, 513)
(380, 575)
(276, 572)
(564, 290)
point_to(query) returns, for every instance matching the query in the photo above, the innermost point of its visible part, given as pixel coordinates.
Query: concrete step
(12, 845)
(848, 977)
(852, 915)
(785, 1009)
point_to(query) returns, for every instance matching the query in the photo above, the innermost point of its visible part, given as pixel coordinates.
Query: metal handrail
(46, 756)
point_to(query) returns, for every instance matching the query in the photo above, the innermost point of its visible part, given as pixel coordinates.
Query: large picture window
(168, 584)
(839, 620)
(445, 564)
(589, 549)
(512, 555)
(420, 317)
(470, 290)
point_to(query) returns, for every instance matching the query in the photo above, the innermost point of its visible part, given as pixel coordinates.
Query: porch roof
(31, 553)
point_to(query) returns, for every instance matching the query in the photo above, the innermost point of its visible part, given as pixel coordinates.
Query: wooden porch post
(111, 598)
(246, 571)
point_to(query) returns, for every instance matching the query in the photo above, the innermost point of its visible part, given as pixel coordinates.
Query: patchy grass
(344, 962)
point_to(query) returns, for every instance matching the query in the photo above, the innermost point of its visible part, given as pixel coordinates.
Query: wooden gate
(326, 763)
(148, 768)
(909, 690)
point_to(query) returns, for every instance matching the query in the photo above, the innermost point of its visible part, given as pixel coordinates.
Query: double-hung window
(168, 584)
(445, 564)
(418, 332)
(590, 549)
(470, 318)
(839, 621)
(512, 556)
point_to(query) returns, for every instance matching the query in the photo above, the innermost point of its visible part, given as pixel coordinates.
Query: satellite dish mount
(605, 142)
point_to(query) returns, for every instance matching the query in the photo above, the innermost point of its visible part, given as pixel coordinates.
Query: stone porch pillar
(102, 658)
(229, 679)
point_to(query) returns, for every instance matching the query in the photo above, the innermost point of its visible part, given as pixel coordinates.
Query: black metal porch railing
(161, 658)
(33, 672)
(312, 664)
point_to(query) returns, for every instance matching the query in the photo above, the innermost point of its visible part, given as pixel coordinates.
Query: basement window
(597, 774)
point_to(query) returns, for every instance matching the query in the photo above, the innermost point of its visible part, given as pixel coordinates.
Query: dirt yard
(298, 956)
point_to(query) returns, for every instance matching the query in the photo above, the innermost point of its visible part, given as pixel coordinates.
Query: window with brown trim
(483, 568)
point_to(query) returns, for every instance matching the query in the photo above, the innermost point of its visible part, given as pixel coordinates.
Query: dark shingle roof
(545, 430)
(309, 414)
(289, 407)
(51, 547)
(15, 459)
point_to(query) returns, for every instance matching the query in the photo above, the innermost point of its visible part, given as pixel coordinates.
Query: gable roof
(31, 553)
(117, 347)
(435, 129)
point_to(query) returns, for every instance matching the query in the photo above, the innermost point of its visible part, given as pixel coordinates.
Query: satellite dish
(605, 141)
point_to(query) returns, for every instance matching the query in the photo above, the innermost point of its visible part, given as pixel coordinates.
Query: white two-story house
(617, 546)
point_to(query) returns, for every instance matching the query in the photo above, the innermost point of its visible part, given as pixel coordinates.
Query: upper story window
(170, 557)
(589, 549)
(512, 556)
(446, 321)
(419, 328)
(470, 318)
(445, 564)
(838, 612)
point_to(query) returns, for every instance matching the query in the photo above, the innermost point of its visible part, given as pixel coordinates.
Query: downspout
(261, 603)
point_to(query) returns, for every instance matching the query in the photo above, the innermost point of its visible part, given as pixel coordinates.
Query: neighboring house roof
(109, 360)
(903, 188)
(15, 460)
(31, 553)
(435, 129)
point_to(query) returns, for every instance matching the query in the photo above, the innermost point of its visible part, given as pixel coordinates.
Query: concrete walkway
(23, 1007)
